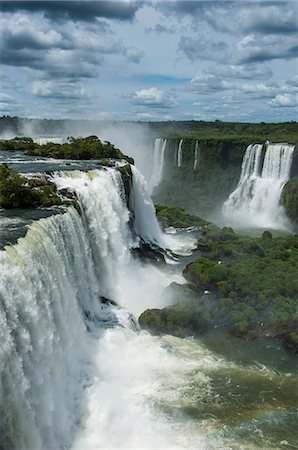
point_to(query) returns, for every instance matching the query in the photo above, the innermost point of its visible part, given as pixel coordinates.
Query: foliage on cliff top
(253, 132)
(77, 148)
(178, 217)
(19, 192)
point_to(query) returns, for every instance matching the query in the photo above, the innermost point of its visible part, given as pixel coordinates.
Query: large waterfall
(51, 310)
(256, 200)
(158, 162)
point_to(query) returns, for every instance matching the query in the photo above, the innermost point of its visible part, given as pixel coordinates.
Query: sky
(149, 60)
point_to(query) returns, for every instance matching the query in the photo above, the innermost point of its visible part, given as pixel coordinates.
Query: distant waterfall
(51, 282)
(256, 200)
(179, 153)
(196, 156)
(158, 162)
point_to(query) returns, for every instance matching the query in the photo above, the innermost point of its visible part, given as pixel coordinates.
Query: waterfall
(158, 162)
(46, 280)
(179, 153)
(256, 200)
(51, 283)
(196, 156)
(145, 221)
(111, 240)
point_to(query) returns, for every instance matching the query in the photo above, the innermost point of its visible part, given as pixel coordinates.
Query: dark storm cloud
(278, 17)
(63, 51)
(256, 49)
(202, 48)
(76, 10)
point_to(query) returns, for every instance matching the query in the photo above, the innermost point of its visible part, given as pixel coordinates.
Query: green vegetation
(177, 217)
(19, 192)
(276, 132)
(18, 143)
(189, 315)
(290, 199)
(81, 148)
(14, 191)
(77, 148)
(126, 176)
(252, 132)
(246, 285)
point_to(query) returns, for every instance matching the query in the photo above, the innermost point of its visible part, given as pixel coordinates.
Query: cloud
(285, 100)
(133, 54)
(208, 83)
(60, 90)
(59, 50)
(5, 98)
(203, 48)
(243, 17)
(253, 48)
(252, 71)
(260, 90)
(153, 98)
(76, 10)
(276, 18)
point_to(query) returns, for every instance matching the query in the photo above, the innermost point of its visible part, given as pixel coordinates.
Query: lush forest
(286, 131)
(246, 285)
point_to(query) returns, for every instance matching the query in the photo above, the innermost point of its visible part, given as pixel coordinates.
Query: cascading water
(256, 200)
(179, 153)
(196, 156)
(74, 373)
(145, 221)
(158, 162)
(46, 280)
(51, 284)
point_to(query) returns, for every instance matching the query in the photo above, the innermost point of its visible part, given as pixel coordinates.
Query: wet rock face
(290, 199)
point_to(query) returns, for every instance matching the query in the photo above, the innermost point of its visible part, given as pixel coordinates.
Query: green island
(17, 191)
(248, 286)
(76, 148)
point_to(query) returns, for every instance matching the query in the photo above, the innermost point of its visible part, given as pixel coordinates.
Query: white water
(179, 153)
(50, 288)
(196, 156)
(158, 162)
(145, 221)
(256, 200)
(74, 373)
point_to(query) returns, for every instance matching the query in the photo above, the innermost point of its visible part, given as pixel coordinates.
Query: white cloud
(208, 83)
(58, 90)
(153, 97)
(285, 100)
(5, 98)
